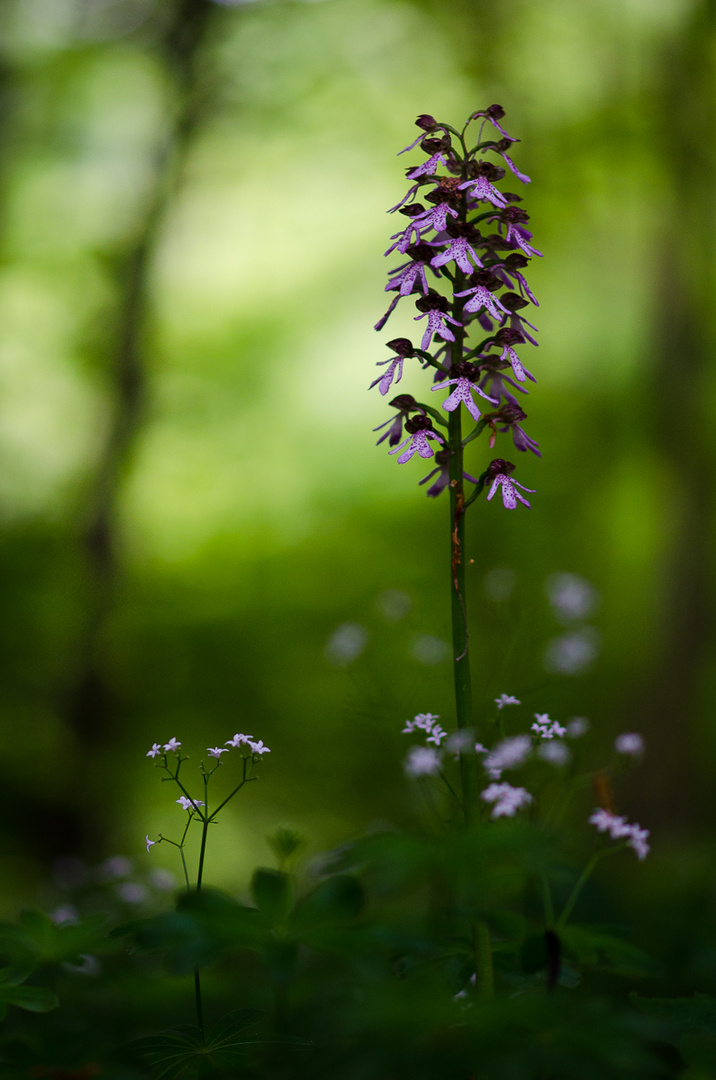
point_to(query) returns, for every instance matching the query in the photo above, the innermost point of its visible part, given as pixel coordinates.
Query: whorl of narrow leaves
(464, 242)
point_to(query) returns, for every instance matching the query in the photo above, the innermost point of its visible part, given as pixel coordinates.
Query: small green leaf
(171, 1053)
(31, 998)
(231, 1024)
(693, 1014)
(336, 901)
(271, 890)
(285, 844)
(594, 947)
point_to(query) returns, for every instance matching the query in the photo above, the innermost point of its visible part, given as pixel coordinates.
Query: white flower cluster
(556, 753)
(511, 753)
(247, 740)
(508, 754)
(546, 728)
(169, 748)
(620, 829)
(629, 743)
(422, 761)
(214, 751)
(506, 800)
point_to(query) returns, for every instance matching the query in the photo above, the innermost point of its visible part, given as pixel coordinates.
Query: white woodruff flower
(156, 749)
(577, 726)
(150, 843)
(436, 735)
(216, 751)
(556, 753)
(620, 829)
(460, 740)
(425, 721)
(189, 804)
(506, 800)
(259, 748)
(629, 743)
(422, 761)
(546, 728)
(239, 740)
(172, 745)
(506, 699)
(508, 754)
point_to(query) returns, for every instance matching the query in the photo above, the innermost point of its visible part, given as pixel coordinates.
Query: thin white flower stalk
(168, 759)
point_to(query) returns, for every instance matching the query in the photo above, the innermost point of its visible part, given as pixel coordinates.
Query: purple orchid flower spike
(494, 113)
(420, 429)
(516, 235)
(409, 195)
(436, 217)
(465, 385)
(436, 308)
(405, 404)
(481, 185)
(510, 271)
(514, 303)
(501, 148)
(411, 274)
(412, 233)
(438, 151)
(507, 420)
(404, 348)
(507, 337)
(427, 124)
(442, 460)
(482, 285)
(495, 383)
(519, 237)
(498, 471)
(459, 247)
(493, 380)
(384, 318)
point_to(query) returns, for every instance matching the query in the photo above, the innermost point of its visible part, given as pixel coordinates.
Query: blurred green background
(197, 533)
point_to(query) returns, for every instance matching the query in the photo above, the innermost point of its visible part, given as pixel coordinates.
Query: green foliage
(286, 845)
(156, 560)
(184, 1051)
(596, 947)
(32, 998)
(38, 940)
(690, 1024)
(271, 890)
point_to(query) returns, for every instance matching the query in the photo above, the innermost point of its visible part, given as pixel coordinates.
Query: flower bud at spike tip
(403, 346)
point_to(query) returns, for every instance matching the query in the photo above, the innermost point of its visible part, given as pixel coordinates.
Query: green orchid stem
(482, 949)
(460, 640)
(482, 946)
(460, 637)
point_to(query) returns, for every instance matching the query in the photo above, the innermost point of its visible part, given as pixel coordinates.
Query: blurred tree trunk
(90, 708)
(678, 402)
